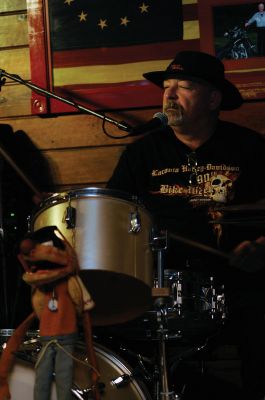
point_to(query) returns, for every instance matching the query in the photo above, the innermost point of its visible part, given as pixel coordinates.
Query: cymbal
(258, 206)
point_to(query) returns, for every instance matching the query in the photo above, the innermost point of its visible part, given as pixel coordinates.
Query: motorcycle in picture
(238, 45)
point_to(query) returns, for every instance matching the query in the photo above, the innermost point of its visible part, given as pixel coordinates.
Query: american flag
(99, 49)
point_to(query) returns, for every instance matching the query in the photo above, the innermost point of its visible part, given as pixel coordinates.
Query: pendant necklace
(53, 302)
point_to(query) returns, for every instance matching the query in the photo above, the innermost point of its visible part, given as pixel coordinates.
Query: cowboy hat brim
(231, 97)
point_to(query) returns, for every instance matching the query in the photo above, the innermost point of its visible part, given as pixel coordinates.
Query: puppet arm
(8, 355)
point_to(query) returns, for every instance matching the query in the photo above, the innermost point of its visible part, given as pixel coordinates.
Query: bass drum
(110, 231)
(111, 367)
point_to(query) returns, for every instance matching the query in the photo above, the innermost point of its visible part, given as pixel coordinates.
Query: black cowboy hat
(202, 68)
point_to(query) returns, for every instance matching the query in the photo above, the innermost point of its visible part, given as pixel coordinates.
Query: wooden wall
(76, 147)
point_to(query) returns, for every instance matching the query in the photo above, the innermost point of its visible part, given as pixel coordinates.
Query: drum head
(111, 367)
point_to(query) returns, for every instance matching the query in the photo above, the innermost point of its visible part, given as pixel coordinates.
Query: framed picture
(229, 30)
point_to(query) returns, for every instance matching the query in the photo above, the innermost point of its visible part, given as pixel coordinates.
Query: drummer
(184, 171)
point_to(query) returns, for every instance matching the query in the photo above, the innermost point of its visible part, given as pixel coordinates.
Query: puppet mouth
(42, 274)
(38, 266)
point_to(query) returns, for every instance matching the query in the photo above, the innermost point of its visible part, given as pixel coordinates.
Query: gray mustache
(172, 105)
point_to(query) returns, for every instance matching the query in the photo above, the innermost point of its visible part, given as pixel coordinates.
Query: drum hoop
(7, 332)
(58, 198)
(108, 353)
(90, 192)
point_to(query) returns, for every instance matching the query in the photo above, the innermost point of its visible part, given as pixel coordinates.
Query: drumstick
(19, 172)
(199, 245)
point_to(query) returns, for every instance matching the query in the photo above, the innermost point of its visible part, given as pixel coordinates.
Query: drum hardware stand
(3, 287)
(162, 392)
(182, 357)
(159, 244)
(4, 301)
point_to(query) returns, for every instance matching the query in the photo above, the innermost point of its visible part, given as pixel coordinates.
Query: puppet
(59, 297)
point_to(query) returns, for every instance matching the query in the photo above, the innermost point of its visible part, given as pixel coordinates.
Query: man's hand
(249, 256)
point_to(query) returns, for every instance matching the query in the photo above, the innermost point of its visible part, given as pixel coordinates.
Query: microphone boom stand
(119, 124)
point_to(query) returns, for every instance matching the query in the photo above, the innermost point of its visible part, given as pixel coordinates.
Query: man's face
(261, 7)
(186, 101)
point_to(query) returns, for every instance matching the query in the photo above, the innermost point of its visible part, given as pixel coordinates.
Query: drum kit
(117, 246)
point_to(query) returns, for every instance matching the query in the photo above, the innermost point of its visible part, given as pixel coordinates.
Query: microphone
(158, 121)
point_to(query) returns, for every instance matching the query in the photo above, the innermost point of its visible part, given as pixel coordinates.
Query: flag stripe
(191, 30)
(77, 74)
(125, 96)
(186, 2)
(190, 12)
(245, 71)
(111, 74)
(113, 55)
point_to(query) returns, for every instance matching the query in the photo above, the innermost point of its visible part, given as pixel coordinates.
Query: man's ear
(215, 99)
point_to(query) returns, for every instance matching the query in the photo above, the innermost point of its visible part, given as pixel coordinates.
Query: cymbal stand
(165, 393)
(159, 245)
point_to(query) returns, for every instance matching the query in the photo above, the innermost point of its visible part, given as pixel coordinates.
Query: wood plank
(18, 35)
(85, 131)
(16, 61)
(14, 100)
(12, 5)
(83, 166)
(76, 130)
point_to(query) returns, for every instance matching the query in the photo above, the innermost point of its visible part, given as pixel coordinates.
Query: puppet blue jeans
(54, 363)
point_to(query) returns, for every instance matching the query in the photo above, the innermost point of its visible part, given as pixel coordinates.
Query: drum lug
(134, 222)
(87, 393)
(121, 381)
(29, 223)
(70, 217)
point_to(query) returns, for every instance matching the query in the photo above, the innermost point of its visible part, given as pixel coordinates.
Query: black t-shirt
(227, 169)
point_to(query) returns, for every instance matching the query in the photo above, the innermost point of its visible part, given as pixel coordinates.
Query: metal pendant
(53, 303)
